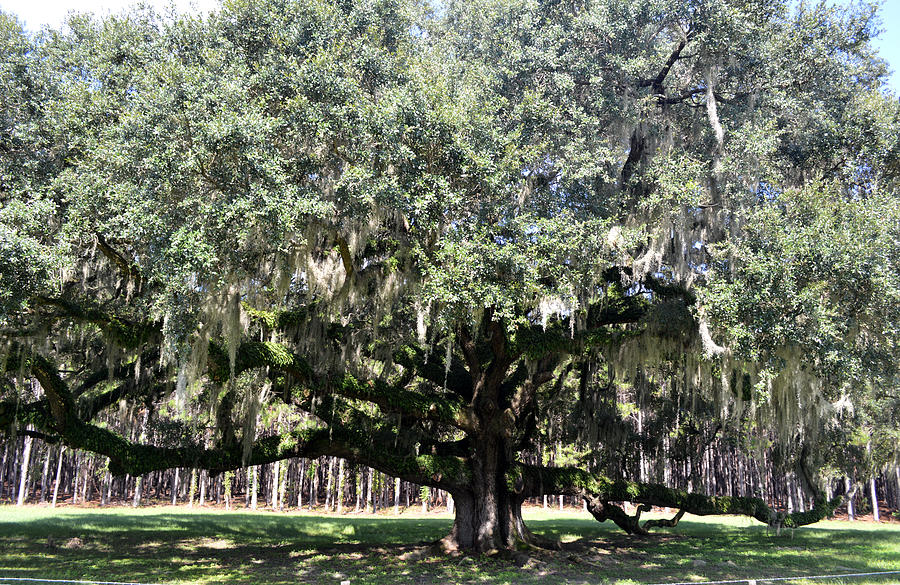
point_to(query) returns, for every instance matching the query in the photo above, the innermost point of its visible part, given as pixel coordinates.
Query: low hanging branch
(598, 490)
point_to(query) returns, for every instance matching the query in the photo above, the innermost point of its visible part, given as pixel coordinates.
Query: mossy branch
(278, 320)
(120, 330)
(256, 354)
(128, 269)
(573, 481)
(444, 408)
(433, 369)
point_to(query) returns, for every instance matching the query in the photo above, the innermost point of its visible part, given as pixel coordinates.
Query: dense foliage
(442, 236)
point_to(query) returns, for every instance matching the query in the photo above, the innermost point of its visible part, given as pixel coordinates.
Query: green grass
(178, 545)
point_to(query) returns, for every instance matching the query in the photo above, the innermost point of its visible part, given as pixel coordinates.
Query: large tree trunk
(475, 526)
(488, 517)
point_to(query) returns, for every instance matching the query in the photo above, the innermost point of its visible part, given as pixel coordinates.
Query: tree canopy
(437, 235)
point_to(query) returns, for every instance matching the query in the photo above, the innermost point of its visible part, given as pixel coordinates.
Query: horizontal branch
(137, 459)
(128, 269)
(433, 369)
(256, 354)
(534, 481)
(444, 408)
(281, 320)
(122, 331)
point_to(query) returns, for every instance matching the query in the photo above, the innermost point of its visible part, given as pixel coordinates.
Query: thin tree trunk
(59, 465)
(45, 474)
(370, 494)
(254, 493)
(109, 484)
(104, 487)
(86, 485)
(276, 475)
(283, 485)
(227, 486)
(874, 495)
(329, 483)
(396, 495)
(77, 478)
(23, 478)
(358, 483)
(193, 488)
(3, 467)
(204, 481)
(314, 484)
(301, 476)
(897, 475)
(138, 488)
(340, 488)
(175, 487)
(850, 494)
(14, 472)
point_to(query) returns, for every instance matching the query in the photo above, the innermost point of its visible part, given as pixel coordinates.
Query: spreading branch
(599, 490)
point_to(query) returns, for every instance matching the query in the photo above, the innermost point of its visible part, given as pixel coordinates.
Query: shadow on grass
(239, 548)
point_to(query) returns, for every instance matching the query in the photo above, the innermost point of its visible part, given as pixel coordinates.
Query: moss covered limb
(431, 367)
(62, 404)
(124, 372)
(90, 406)
(280, 320)
(535, 342)
(537, 481)
(664, 522)
(128, 457)
(444, 408)
(59, 415)
(129, 270)
(602, 511)
(56, 416)
(122, 331)
(256, 354)
(36, 414)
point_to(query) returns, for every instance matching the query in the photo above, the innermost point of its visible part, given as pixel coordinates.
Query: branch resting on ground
(598, 491)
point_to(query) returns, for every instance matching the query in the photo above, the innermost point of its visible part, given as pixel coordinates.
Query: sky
(38, 13)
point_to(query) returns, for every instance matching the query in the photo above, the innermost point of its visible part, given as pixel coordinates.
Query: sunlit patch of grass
(177, 545)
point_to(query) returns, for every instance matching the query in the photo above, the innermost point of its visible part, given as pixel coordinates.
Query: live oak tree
(438, 234)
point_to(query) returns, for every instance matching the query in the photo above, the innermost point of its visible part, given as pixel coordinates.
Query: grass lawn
(179, 545)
